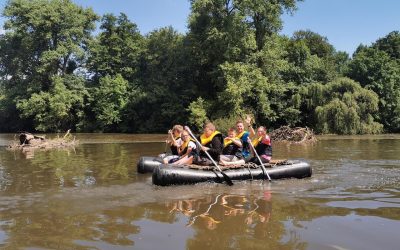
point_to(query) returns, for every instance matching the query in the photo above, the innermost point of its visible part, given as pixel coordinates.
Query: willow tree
(342, 107)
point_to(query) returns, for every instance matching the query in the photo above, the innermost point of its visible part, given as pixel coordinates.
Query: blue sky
(346, 23)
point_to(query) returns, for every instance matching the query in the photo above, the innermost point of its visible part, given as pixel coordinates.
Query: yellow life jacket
(241, 134)
(185, 144)
(256, 141)
(228, 141)
(204, 140)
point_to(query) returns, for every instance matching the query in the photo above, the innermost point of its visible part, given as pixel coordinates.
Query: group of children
(234, 149)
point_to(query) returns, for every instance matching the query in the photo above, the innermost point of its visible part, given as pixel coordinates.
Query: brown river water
(91, 197)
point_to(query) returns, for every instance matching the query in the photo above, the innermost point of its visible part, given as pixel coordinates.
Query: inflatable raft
(166, 174)
(147, 164)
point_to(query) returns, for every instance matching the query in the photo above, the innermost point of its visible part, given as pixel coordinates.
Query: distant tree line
(57, 73)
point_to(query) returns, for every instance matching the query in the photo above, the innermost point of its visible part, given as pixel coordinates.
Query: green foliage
(198, 113)
(43, 39)
(311, 59)
(246, 90)
(163, 80)
(317, 44)
(117, 49)
(263, 16)
(231, 62)
(115, 58)
(342, 107)
(109, 101)
(341, 60)
(225, 123)
(376, 70)
(59, 109)
(43, 46)
(271, 60)
(389, 44)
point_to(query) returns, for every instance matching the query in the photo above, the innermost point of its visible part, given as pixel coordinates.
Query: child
(185, 149)
(232, 151)
(174, 141)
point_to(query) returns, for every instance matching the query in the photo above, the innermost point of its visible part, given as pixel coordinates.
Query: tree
(164, 80)
(217, 34)
(59, 109)
(198, 112)
(342, 60)
(109, 102)
(43, 39)
(311, 59)
(342, 107)
(246, 91)
(376, 70)
(44, 45)
(227, 35)
(117, 49)
(317, 44)
(389, 44)
(263, 16)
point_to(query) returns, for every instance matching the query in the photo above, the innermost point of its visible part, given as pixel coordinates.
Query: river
(91, 197)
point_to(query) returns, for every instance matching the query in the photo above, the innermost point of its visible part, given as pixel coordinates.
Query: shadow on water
(92, 198)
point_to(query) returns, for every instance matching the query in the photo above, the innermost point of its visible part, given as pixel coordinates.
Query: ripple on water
(369, 204)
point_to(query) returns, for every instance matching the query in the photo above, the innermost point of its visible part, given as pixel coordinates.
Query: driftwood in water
(293, 135)
(28, 138)
(28, 141)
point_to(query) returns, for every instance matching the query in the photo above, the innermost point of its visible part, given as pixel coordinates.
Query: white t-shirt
(192, 145)
(179, 142)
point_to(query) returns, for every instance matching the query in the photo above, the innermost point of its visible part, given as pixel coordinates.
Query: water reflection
(223, 206)
(87, 165)
(234, 221)
(92, 198)
(121, 217)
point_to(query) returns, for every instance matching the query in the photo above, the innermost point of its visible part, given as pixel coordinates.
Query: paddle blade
(227, 179)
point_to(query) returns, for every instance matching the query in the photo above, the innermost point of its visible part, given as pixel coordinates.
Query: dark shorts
(256, 161)
(173, 160)
(202, 161)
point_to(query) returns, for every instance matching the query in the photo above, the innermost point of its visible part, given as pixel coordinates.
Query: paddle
(227, 179)
(258, 157)
(166, 145)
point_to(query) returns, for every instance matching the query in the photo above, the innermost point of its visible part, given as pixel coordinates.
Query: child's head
(208, 129)
(240, 126)
(232, 132)
(177, 130)
(185, 136)
(261, 131)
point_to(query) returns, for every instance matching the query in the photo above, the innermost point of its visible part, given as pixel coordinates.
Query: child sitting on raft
(232, 151)
(262, 146)
(174, 141)
(184, 150)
